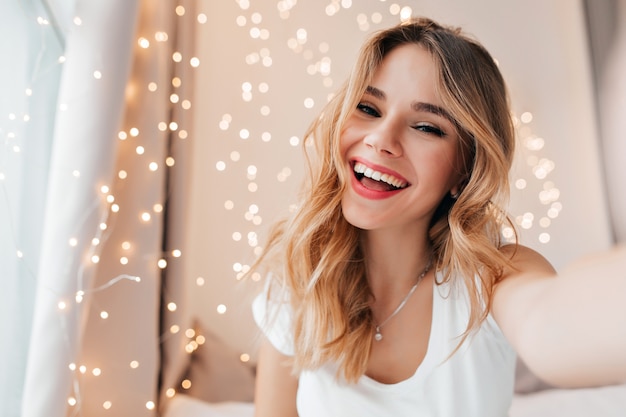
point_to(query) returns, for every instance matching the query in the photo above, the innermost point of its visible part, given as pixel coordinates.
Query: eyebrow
(417, 106)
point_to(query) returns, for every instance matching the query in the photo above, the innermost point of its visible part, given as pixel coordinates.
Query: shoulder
(525, 261)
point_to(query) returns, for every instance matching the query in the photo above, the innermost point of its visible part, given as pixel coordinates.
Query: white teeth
(360, 168)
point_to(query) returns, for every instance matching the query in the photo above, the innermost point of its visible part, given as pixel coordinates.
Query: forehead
(408, 70)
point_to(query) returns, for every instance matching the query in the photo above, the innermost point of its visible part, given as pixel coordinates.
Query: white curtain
(93, 124)
(29, 83)
(95, 117)
(72, 107)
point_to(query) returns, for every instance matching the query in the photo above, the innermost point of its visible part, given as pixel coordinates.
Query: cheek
(444, 165)
(347, 138)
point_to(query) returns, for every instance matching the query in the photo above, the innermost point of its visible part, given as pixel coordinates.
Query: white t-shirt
(477, 381)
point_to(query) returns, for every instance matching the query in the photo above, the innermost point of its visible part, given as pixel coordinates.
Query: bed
(592, 402)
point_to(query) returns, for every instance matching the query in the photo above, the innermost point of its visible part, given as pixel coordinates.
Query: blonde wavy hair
(315, 254)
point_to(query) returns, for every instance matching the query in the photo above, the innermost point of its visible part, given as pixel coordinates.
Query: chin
(356, 217)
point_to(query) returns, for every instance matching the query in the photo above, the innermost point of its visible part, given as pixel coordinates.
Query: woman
(391, 292)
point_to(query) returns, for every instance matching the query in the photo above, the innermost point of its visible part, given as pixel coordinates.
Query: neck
(394, 260)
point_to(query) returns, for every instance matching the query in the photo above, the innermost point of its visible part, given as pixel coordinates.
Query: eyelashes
(427, 128)
(430, 129)
(367, 109)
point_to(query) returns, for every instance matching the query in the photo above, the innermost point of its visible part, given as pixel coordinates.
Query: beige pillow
(216, 372)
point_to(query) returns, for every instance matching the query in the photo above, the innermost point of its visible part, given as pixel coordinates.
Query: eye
(430, 129)
(367, 109)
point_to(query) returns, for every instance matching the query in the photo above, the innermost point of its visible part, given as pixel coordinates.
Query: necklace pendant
(378, 336)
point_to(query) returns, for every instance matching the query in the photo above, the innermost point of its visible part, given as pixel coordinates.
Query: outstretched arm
(570, 328)
(276, 387)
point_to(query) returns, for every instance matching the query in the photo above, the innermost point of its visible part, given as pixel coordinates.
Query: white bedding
(589, 402)
(186, 406)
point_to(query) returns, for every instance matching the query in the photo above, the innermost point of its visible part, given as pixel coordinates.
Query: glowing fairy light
(161, 36)
(143, 43)
(405, 13)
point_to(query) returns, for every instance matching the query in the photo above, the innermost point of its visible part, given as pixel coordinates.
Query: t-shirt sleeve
(274, 318)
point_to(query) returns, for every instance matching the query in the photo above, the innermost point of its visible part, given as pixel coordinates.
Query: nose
(384, 139)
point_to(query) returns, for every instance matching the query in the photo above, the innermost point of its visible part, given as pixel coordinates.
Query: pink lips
(368, 193)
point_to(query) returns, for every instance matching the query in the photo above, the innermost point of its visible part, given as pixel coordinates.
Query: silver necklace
(378, 336)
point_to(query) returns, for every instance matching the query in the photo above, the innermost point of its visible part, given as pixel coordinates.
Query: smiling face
(399, 146)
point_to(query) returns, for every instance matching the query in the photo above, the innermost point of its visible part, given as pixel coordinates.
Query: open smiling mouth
(375, 180)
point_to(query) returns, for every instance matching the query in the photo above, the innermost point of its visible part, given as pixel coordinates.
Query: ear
(456, 189)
